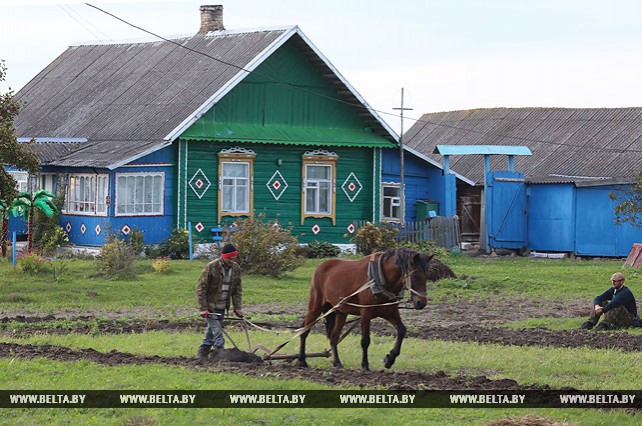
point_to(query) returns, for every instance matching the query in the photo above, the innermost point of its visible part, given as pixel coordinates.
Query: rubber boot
(602, 327)
(587, 326)
(203, 351)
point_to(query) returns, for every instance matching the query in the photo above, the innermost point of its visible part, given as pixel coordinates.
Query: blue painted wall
(156, 229)
(551, 217)
(580, 220)
(422, 180)
(596, 232)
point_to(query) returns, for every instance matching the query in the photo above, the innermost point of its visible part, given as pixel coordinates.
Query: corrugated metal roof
(586, 146)
(129, 98)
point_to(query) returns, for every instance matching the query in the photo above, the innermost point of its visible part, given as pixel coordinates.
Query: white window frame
(238, 182)
(122, 195)
(90, 204)
(315, 187)
(236, 155)
(395, 202)
(326, 159)
(22, 179)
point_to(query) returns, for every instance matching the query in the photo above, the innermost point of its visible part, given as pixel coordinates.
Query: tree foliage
(629, 204)
(12, 153)
(26, 205)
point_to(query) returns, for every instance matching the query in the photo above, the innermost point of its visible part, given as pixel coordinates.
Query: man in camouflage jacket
(219, 283)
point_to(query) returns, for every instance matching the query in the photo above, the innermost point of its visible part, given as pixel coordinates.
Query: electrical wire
(360, 105)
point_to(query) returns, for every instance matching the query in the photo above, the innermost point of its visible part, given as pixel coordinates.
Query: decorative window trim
(235, 155)
(325, 158)
(141, 174)
(383, 212)
(68, 199)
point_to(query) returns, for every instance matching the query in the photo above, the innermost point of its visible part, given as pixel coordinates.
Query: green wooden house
(207, 129)
(292, 140)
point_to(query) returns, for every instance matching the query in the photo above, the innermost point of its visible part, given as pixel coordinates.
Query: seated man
(618, 306)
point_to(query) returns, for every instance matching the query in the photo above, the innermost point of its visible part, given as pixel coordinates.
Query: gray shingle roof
(592, 145)
(125, 98)
(129, 99)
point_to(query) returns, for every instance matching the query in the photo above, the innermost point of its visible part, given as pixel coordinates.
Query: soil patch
(540, 336)
(382, 379)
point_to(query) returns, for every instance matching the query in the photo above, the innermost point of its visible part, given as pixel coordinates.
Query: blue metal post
(488, 203)
(191, 252)
(450, 190)
(13, 249)
(511, 163)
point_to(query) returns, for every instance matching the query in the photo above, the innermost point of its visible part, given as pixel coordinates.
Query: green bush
(428, 246)
(265, 248)
(51, 239)
(322, 249)
(137, 240)
(116, 257)
(371, 238)
(176, 246)
(32, 263)
(47, 235)
(161, 265)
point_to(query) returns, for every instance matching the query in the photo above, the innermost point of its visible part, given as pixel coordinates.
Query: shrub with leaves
(53, 238)
(116, 257)
(32, 263)
(161, 265)
(47, 233)
(176, 246)
(371, 238)
(428, 246)
(321, 249)
(137, 240)
(265, 248)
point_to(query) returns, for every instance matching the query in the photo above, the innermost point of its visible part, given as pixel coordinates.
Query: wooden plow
(270, 355)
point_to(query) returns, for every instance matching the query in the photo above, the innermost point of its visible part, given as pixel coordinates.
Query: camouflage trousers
(615, 318)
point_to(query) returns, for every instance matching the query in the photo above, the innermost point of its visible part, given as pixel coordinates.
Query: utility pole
(401, 166)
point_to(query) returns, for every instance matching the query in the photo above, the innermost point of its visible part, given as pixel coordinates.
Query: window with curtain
(139, 194)
(318, 189)
(319, 181)
(235, 187)
(235, 182)
(87, 194)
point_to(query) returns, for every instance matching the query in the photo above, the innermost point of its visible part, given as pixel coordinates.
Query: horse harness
(376, 278)
(377, 282)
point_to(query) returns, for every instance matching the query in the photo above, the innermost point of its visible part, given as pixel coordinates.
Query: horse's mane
(404, 256)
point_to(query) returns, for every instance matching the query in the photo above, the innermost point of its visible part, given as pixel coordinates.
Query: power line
(359, 105)
(70, 12)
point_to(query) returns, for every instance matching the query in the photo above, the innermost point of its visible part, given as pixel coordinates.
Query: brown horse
(338, 290)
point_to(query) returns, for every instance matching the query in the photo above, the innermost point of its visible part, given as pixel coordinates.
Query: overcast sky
(446, 54)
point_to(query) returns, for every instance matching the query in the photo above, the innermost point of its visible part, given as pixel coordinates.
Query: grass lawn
(76, 292)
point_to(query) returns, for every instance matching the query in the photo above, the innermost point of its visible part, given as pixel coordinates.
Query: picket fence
(444, 231)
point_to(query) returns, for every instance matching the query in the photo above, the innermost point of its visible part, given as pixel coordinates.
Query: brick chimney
(211, 18)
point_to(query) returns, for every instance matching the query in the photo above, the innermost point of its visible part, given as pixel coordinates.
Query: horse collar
(375, 275)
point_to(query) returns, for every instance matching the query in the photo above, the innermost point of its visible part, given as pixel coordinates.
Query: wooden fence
(444, 231)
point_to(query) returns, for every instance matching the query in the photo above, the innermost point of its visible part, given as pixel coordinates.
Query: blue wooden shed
(581, 158)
